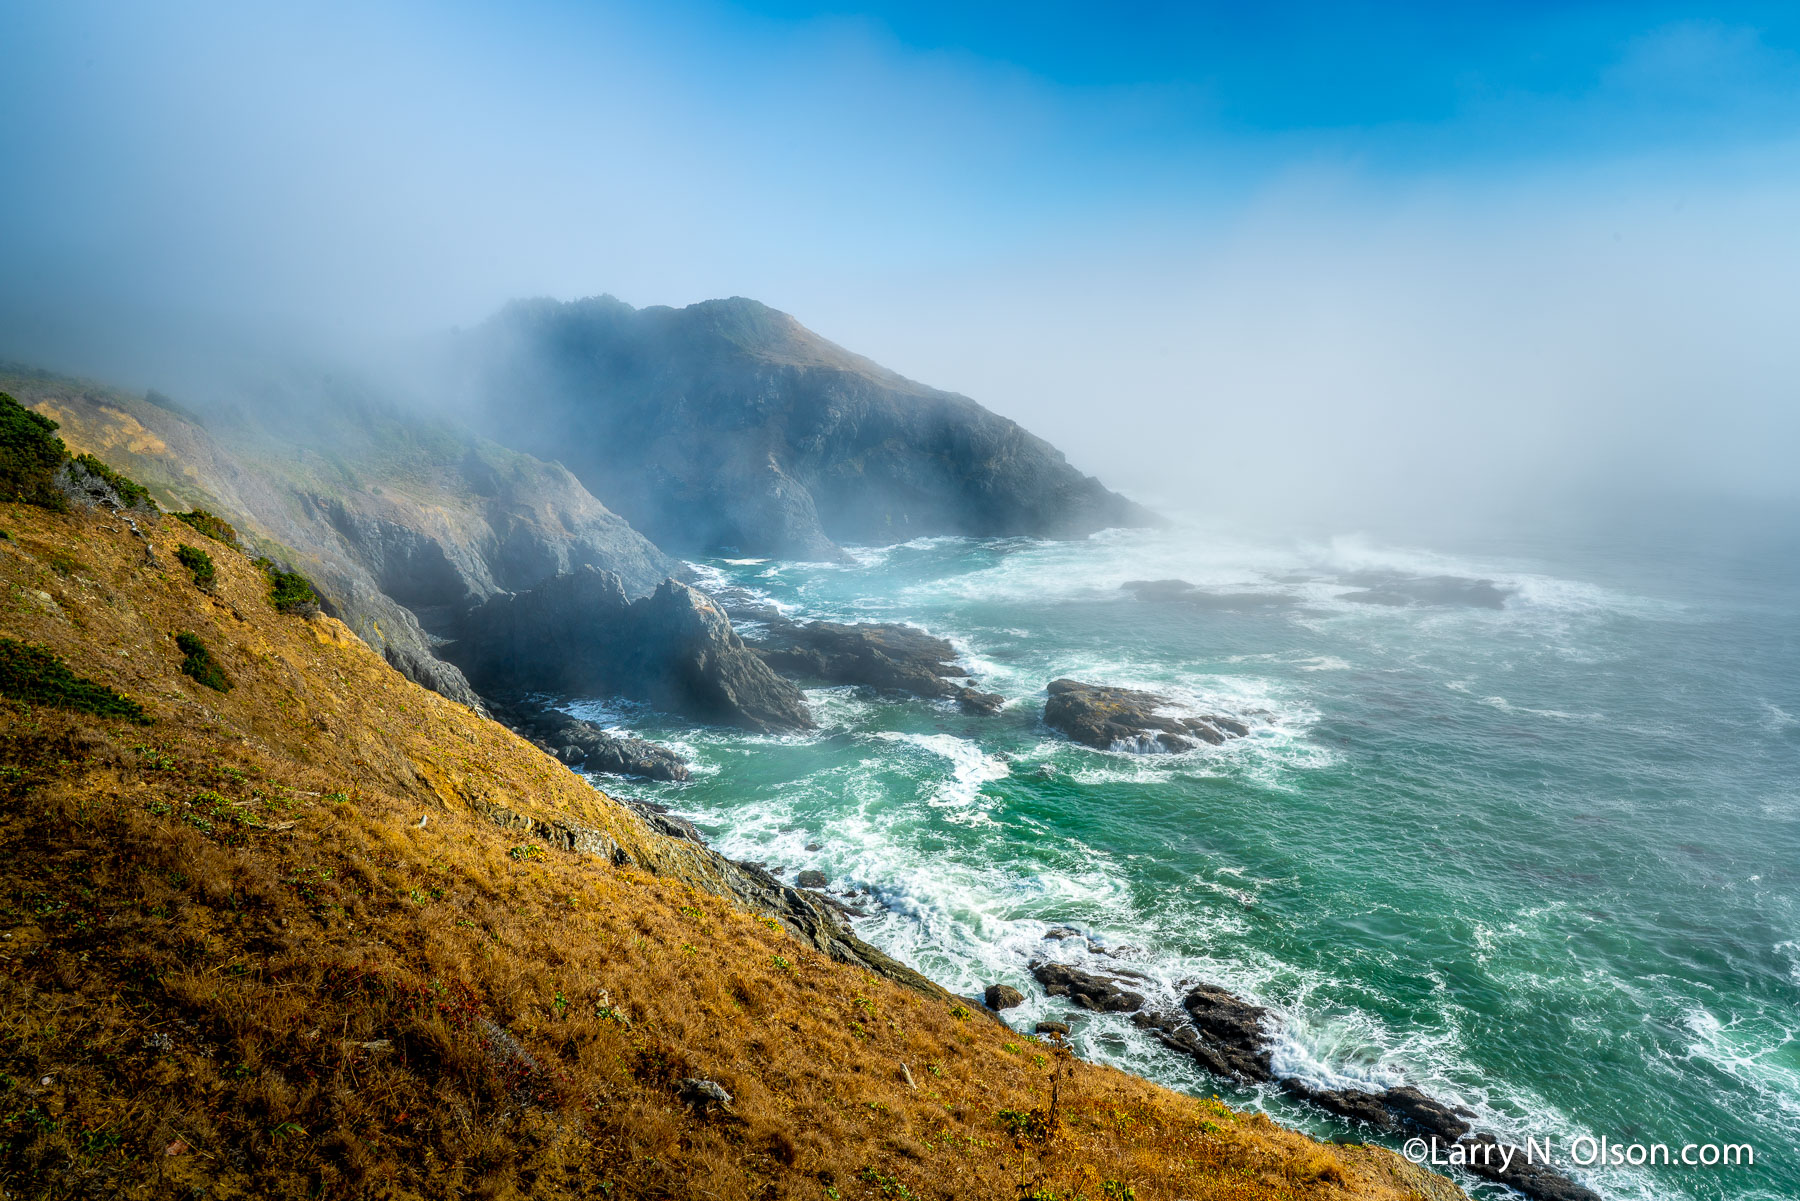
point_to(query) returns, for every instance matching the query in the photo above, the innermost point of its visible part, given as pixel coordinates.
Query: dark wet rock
(1385, 588)
(579, 634)
(1356, 1104)
(661, 819)
(811, 878)
(1059, 1028)
(1003, 996)
(1086, 989)
(1056, 933)
(729, 424)
(1426, 1112)
(1234, 1027)
(883, 655)
(1180, 592)
(812, 847)
(1488, 1157)
(1125, 719)
(585, 745)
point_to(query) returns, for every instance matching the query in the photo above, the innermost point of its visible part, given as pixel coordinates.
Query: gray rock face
(1125, 719)
(888, 656)
(578, 634)
(585, 745)
(728, 424)
(811, 878)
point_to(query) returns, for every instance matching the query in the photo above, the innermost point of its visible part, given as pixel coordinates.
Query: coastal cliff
(280, 922)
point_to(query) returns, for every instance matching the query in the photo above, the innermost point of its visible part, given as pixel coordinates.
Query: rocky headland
(727, 424)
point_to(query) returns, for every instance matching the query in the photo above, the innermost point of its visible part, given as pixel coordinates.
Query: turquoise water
(1542, 860)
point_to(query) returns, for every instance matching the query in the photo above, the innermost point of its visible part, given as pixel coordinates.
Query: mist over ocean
(1542, 859)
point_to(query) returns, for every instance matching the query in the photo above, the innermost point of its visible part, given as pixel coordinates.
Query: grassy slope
(231, 959)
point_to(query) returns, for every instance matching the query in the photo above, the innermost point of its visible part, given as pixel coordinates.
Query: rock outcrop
(727, 424)
(586, 745)
(1124, 719)
(1089, 990)
(882, 655)
(580, 635)
(1233, 1038)
(1388, 588)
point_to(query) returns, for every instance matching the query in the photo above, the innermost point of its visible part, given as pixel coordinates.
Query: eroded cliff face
(728, 424)
(402, 521)
(580, 634)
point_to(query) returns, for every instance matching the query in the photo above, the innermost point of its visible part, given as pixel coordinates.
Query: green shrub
(132, 494)
(200, 563)
(289, 591)
(200, 663)
(214, 527)
(30, 453)
(36, 676)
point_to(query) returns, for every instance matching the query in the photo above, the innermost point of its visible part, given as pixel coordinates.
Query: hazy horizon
(1321, 265)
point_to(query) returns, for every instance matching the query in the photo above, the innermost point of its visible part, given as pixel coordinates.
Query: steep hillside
(728, 424)
(402, 520)
(326, 933)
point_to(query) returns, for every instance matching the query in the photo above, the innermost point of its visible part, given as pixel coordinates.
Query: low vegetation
(214, 527)
(131, 494)
(33, 675)
(200, 564)
(30, 453)
(289, 591)
(285, 948)
(200, 664)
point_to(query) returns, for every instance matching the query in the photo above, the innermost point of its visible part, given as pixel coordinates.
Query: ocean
(1541, 859)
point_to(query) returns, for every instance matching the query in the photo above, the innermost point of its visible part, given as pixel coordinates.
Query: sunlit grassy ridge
(269, 945)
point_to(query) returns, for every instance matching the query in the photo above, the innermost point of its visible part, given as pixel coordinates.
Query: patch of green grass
(200, 663)
(36, 676)
(200, 563)
(30, 453)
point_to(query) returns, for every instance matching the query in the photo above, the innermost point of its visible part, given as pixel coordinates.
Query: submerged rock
(1180, 592)
(578, 634)
(1385, 588)
(1109, 719)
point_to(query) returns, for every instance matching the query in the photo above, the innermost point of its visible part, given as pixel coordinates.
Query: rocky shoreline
(1234, 1039)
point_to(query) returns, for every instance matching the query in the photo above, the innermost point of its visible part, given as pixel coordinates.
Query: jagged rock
(884, 655)
(1003, 996)
(1386, 588)
(1427, 1113)
(1058, 933)
(728, 424)
(811, 878)
(1356, 1104)
(1125, 719)
(583, 744)
(578, 634)
(1085, 989)
(1058, 1028)
(1491, 1159)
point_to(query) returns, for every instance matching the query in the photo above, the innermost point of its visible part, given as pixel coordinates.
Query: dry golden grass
(235, 965)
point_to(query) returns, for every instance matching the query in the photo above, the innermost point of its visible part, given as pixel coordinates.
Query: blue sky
(1338, 239)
